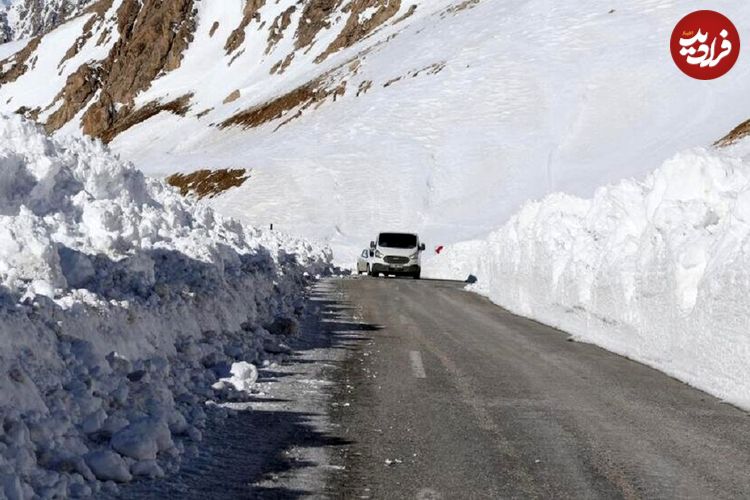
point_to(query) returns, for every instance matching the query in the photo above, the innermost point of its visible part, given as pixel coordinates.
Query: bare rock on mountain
(358, 26)
(18, 63)
(153, 36)
(237, 37)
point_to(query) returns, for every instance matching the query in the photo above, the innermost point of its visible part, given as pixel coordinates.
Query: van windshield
(397, 240)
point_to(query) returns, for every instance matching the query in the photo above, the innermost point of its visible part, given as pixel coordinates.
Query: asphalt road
(446, 395)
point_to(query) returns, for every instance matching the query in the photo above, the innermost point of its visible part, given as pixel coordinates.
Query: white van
(396, 253)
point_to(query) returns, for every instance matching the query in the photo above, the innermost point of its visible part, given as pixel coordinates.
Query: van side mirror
(372, 244)
(421, 247)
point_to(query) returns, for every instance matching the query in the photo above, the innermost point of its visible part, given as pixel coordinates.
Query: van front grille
(393, 259)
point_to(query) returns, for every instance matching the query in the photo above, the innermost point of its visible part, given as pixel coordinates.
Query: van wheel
(372, 273)
(417, 275)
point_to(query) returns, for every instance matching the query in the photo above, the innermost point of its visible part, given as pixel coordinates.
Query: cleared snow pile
(121, 304)
(658, 271)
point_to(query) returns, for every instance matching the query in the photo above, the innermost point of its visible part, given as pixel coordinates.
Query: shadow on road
(240, 456)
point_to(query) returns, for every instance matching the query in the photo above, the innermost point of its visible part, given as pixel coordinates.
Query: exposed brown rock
(79, 88)
(97, 10)
(80, 41)
(214, 27)
(301, 97)
(232, 97)
(280, 24)
(282, 65)
(100, 8)
(153, 36)
(209, 183)
(119, 121)
(30, 113)
(237, 37)
(354, 30)
(19, 62)
(739, 132)
(316, 17)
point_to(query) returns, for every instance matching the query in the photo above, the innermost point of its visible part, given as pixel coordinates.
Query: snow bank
(121, 303)
(658, 270)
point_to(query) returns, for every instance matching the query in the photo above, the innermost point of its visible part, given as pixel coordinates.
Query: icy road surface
(453, 397)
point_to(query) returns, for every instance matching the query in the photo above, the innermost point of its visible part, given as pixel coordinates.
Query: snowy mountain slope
(121, 306)
(442, 119)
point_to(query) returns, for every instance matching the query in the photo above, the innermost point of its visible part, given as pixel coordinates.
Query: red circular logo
(705, 44)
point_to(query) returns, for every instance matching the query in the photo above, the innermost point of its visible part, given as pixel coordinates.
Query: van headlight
(414, 255)
(379, 254)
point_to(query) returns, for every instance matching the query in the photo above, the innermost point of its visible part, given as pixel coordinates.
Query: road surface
(445, 395)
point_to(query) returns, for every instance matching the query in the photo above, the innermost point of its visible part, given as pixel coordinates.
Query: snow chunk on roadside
(244, 375)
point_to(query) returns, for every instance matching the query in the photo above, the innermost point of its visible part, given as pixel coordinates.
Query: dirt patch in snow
(208, 183)
(739, 132)
(301, 97)
(232, 97)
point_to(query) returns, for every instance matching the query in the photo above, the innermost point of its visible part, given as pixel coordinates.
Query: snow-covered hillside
(657, 270)
(121, 305)
(435, 116)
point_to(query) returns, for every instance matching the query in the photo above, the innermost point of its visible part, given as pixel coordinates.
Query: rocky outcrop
(739, 132)
(153, 36)
(357, 26)
(316, 17)
(18, 63)
(298, 99)
(119, 120)
(237, 37)
(291, 105)
(208, 183)
(79, 89)
(146, 39)
(279, 26)
(98, 9)
(232, 97)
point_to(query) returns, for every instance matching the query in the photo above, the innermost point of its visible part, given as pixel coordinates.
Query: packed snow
(121, 304)
(656, 270)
